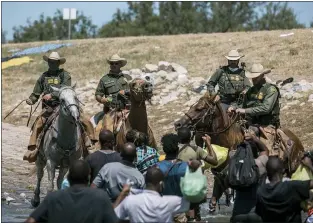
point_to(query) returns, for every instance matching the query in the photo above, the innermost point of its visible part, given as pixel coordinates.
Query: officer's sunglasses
(115, 64)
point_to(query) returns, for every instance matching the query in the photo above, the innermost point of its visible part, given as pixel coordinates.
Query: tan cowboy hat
(54, 56)
(117, 58)
(257, 70)
(233, 55)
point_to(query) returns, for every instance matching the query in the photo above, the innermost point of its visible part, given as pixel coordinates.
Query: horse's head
(69, 103)
(141, 90)
(198, 112)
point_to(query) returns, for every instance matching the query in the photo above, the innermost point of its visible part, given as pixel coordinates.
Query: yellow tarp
(221, 155)
(303, 173)
(15, 62)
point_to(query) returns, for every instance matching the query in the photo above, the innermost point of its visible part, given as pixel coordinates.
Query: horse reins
(204, 116)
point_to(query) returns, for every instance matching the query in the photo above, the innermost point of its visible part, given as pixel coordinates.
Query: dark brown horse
(207, 117)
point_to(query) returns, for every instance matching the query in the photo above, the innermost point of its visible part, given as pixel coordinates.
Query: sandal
(212, 207)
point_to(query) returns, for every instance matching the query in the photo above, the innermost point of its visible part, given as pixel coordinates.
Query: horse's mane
(233, 132)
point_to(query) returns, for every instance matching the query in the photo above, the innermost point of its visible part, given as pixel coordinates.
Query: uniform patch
(237, 78)
(56, 81)
(260, 96)
(273, 89)
(232, 78)
(50, 81)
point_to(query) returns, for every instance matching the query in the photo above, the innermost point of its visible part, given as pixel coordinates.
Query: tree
(232, 16)
(278, 15)
(47, 28)
(3, 36)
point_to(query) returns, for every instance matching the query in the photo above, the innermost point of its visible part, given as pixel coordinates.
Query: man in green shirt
(192, 152)
(230, 79)
(113, 90)
(53, 77)
(261, 104)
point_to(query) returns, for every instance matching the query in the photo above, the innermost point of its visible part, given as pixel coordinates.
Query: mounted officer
(113, 89)
(261, 105)
(230, 79)
(53, 77)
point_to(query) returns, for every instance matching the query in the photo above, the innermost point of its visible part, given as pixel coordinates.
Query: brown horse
(136, 118)
(207, 117)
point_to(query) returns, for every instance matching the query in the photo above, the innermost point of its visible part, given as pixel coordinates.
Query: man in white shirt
(148, 205)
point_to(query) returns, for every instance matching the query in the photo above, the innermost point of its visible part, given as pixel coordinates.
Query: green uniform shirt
(46, 80)
(190, 153)
(262, 104)
(111, 84)
(230, 84)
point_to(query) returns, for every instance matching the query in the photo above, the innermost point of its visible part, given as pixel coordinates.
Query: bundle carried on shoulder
(194, 185)
(242, 170)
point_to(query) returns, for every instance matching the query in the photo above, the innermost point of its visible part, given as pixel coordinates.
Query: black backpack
(242, 170)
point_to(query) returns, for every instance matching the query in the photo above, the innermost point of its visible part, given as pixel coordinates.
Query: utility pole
(69, 14)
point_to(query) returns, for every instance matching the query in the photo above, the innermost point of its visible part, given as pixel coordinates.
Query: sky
(17, 13)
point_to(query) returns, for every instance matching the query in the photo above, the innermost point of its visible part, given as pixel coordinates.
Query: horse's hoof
(35, 203)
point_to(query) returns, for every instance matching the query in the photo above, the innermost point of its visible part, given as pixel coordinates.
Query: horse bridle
(67, 107)
(209, 112)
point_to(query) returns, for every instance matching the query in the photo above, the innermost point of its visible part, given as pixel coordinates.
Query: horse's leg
(51, 175)
(62, 171)
(40, 164)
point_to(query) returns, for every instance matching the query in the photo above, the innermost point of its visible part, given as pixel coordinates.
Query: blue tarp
(40, 49)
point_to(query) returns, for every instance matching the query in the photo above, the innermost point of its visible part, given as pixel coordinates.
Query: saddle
(281, 145)
(112, 121)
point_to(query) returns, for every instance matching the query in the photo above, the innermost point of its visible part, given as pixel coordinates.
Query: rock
(179, 69)
(88, 87)
(181, 90)
(149, 68)
(293, 121)
(288, 95)
(23, 195)
(182, 79)
(135, 72)
(172, 86)
(297, 96)
(9, 199)
(171, 76)
(287, 86)
(166, 90)
(162, 120)
(93, 81)
(285, 108)
(302, 104)
(191, 101)
(161, 74)
(310, 98)
(170, 97)
(158, 81)
(126, 72)
(165, 66)
(293, 103)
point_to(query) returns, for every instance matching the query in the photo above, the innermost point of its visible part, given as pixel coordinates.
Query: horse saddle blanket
(112, 121)
(281, 145)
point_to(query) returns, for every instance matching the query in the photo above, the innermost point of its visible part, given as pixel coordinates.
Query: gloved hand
(29, 102)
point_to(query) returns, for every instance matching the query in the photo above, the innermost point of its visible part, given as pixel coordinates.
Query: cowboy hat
(257, 70)
(233, 55)
(117, 58)
(54, 56)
